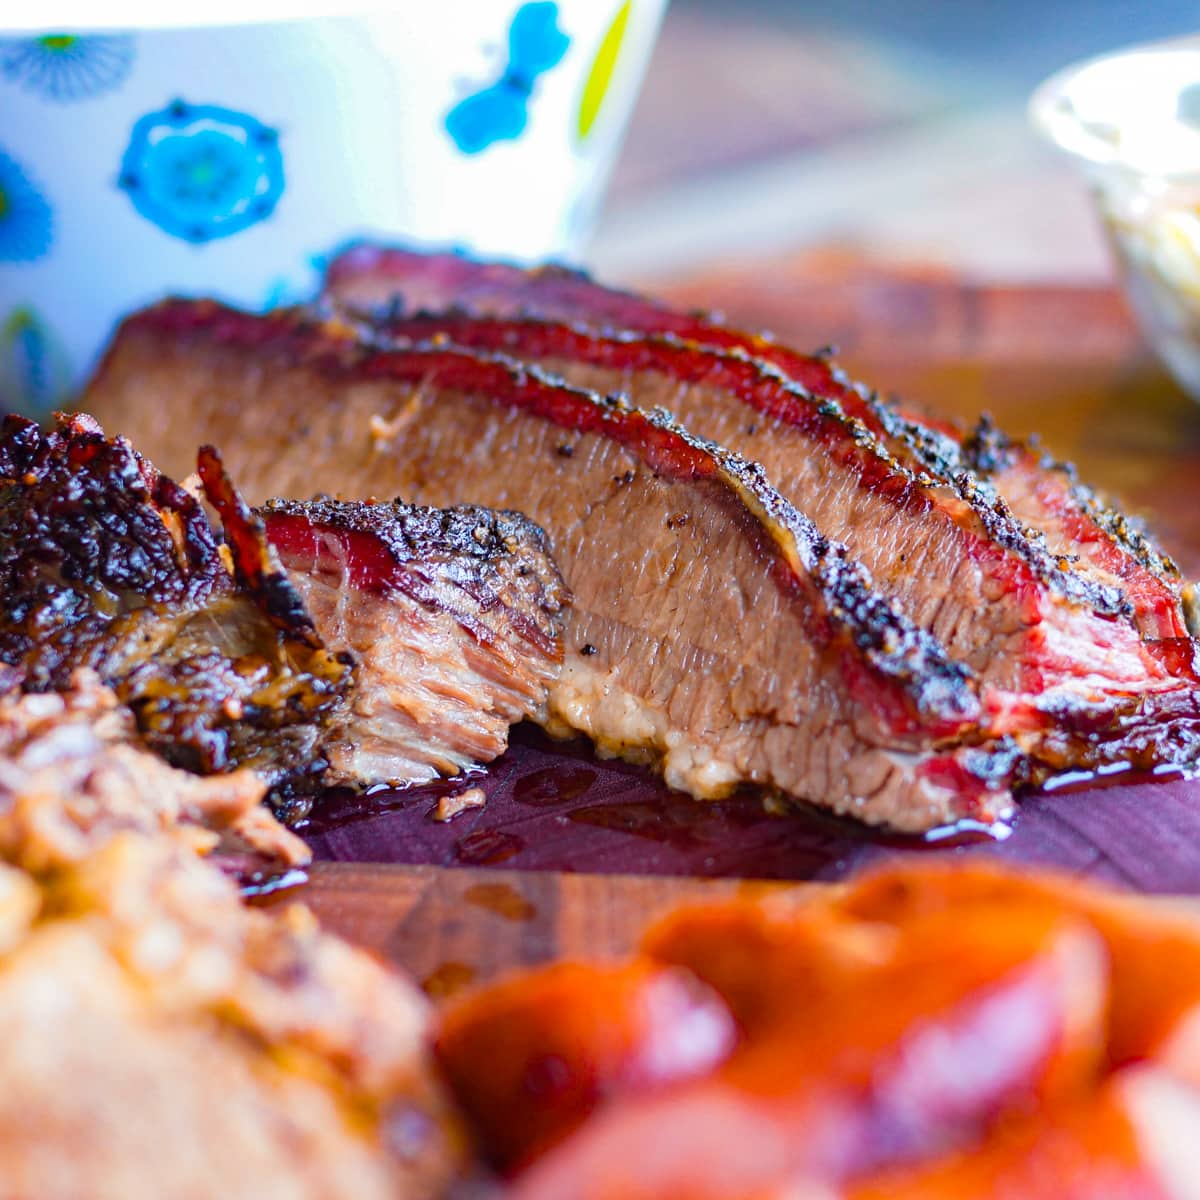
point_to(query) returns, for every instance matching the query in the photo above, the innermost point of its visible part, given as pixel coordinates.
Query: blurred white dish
(140, 158)
(1132, 122)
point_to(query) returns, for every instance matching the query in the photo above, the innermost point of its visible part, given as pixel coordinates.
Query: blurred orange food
(933, 1031)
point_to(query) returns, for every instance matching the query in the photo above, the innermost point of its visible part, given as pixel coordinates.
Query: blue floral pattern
(500, 111)
(66, 67)
(34, 372)
(200, 172)
(26, 220)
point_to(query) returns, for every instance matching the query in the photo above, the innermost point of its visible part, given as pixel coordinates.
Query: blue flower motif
(500, 111)
(35, 374)
(66, 67)
(201, 172)
(26, 221)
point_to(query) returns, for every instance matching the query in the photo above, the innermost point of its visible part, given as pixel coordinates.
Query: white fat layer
(621, 723)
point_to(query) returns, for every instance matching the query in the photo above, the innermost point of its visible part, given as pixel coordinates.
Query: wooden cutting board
(544, 869)
(455, 927)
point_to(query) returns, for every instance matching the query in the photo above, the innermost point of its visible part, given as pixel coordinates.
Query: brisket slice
(452, 616)
(954, 560)
(713, 628)
(355, 643)
(1043, 495)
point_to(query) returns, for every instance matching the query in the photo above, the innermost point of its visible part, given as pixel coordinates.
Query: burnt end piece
(1042, 496)
(107, 564)
(100, 555)
(411, 548)
(249, 682)
(453, 618)
(732, 641)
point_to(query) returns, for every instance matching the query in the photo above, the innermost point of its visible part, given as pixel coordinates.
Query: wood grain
(454, 927)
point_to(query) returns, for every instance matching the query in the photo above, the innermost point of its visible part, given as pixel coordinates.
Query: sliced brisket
(713, 627)
(369, 642)
(1029, 624)
(1110, 549)
(452, 616)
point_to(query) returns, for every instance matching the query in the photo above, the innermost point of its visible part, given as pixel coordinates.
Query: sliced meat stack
(392, 282)
(291, 662)
(987, 488)
(715, 628)
(712, 627)
(1028, 623)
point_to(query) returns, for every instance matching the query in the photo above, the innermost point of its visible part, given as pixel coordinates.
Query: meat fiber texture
(926, 1032)
(452, 617)
(715, 629)
(1044, 495)
(395, 644)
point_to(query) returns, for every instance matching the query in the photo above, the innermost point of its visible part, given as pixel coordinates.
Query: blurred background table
(765, 126)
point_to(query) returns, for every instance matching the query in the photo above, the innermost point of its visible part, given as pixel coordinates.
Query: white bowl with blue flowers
(141, 156)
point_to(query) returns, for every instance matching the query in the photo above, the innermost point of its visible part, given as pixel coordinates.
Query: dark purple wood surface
(556, 808)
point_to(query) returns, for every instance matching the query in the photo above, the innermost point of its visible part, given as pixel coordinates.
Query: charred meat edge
(1026, 563)
(377, 279)
(389, 544)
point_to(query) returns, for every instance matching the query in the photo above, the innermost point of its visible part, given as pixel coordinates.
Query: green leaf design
(601, 73)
